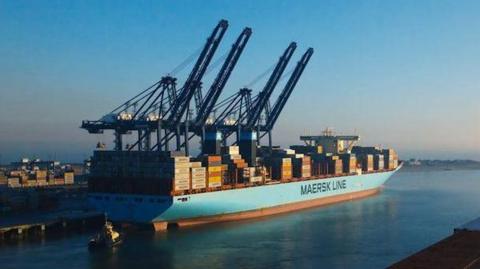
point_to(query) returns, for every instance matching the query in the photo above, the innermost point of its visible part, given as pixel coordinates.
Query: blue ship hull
(237, 203)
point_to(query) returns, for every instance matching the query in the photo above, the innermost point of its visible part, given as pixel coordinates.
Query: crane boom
(264, 95)
(222, 77)
(194, 79)
(288, 89)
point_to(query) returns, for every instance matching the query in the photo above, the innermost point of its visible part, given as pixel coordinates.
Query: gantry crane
(274, 113)
(164, 109)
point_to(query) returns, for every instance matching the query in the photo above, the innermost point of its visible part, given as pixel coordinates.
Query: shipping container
(41, 174)
(349, 163)
(378, 162)
(231, 150)
(301, 167)
(359, 150)
(335, 166)
(390, 158)
(307, 149)
(366, 162)
(214, 181)
(256, 179)
(282, 168)
(196, 164)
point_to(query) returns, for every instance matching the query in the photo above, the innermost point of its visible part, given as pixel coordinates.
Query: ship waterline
(237, 204)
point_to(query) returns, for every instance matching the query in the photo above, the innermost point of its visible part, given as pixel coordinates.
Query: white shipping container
(182, 170)
(199, 170)
(231, 150)
(182, 180)
(182, 187)
(288, 151)
(180, 159)
(214, 184)
(180, 165)
(196, 164)
(182, 177)
(256, 179)
(235, 156)
(248, 171)
(197, 186)
(13, 180)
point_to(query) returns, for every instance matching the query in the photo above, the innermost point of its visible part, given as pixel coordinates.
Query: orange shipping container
(214, 169)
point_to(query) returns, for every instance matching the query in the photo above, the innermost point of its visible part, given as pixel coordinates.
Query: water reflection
(414, 210)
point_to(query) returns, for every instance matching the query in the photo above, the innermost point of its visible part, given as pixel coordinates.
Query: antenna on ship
(328, 131)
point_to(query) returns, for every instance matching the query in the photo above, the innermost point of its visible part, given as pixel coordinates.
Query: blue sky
(402, 74)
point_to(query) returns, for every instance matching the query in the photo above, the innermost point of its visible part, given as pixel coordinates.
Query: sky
(401, 74)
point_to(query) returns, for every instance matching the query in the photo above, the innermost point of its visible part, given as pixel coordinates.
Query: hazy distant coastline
(422, 165)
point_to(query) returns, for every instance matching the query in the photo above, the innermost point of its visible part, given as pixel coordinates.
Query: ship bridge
(331, 143)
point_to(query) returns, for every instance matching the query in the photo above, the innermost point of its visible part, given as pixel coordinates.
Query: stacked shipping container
(324, 164)
(381, 159)
(178, 169)
(37, 178)
(235, 165)
(366, 161)
(198, 176)
(282, 168)
(213, 164)
(304, 149)
(390, 158)
(302, 166)
(378, 162)
(153, 172)
(349, 163)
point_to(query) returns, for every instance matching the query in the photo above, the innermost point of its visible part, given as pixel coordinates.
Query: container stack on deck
(213, 164)
(302, 167)
(233, 166)
(375, 159)
(327, 164)
(251, 175)
(282, 168)
(164, 172)
(198, 175)
(349, 162)
(390, 158)
(178, 168)
(226, 178)
(335, 165)
(378, 162)
(366, 161)
(304, 149)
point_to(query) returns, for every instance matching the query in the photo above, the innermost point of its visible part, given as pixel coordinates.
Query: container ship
(236, 175)
(172, 189)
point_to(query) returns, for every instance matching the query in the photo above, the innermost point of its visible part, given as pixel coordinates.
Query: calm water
(414, 210)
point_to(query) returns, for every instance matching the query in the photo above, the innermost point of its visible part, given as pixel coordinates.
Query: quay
(459, 250)
(18, 227)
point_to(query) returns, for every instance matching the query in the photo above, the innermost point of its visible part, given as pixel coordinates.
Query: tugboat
(106, 238)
